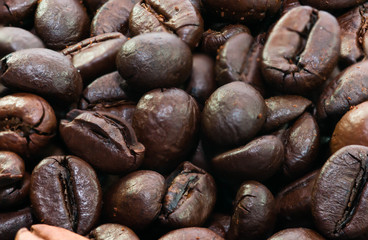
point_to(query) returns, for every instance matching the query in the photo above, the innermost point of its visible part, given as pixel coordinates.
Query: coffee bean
(11, 222)
(331, 4)
(12, 169)
(110, 231)
(191, 233)
(296, 233)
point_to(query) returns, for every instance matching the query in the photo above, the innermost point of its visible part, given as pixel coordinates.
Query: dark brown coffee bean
(110, 231)
(332, 4)
(304, 58)
(296, 233)
(16, 12)
(121, 109)
(190, 197)
(51, 18)
(38, 70)
(95, 56)
(219, 223)
(93, 5)
(46, 232)
(11, 222)
(283, 109)
(65, 192)
(191, 233)
(12, 169)
(348, 89)
(212, 40)
(13, 39)
(135, 200)
(16, 195)
(27, 123)
(166, 121)
(110, 144)
(154, 60)
(339, 204)
(258, 160)
(240, 117)
(113, 16)
(254, 212)
(238, 60)
(302, 146)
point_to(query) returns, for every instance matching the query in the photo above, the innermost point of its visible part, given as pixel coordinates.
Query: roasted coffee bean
(110, 231)
(351, 128)
(135, 200)
(166, 121)
(296, 233)
(113, 16)
(46, 232)
(244, 10)
(190, 197)
(302, 147)
(176, 16)
(17, 12)
(12, 169)
(212, 40)
(110, 144)
(191, 233)
(154, 60)
(11, 222)
(219, 223)
(27, 123)
(238, 60)
(332, 4)
(353, 26)
(233, 114)
(93, 5)
(51, 18)
(38, 70)
(202, 80)
(283, 109)
(16, 195)
(254, 212)
(121, 109)
(304, 58)
(95, 56)
(258, 160)
(65, 192)
(346, 90)
(339, 204)
(13, 39)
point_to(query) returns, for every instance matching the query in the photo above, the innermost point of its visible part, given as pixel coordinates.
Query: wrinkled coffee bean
(110, 144)
(191, 233)
(296, 233)
(135, 200)
(27, 123)
(110, 231)
(154, 60)
(176, 16)
(240, 117)
(11, 222)
(46, 232)
(190, 197)
(50, 19)
(37, 70)
(166, 122)
(304, 58)
(343, 176)
(65, 192)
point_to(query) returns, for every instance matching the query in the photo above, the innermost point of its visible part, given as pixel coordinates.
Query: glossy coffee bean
(95, 56)
(304, 59)
(53, 31)
(37, 70)
(65, 192)
(16, 195)
(11, 222)
(233, 114)
(190, 197)
(331, 4)
(177, 16)
(135, 200)
(27, 123)
(191, 233)
(110, 144)
(13, 39)
(258, 160)
(154, 60)
(339, 204)
(46, 232)
(348, 89)
(296, 233)
(111, 231)
(254, 212)
(166, 122)
(17, 11)
(12, 169)
(112, 16)
(348, 130)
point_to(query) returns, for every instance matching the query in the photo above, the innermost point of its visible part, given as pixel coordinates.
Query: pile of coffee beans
(183, 119)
